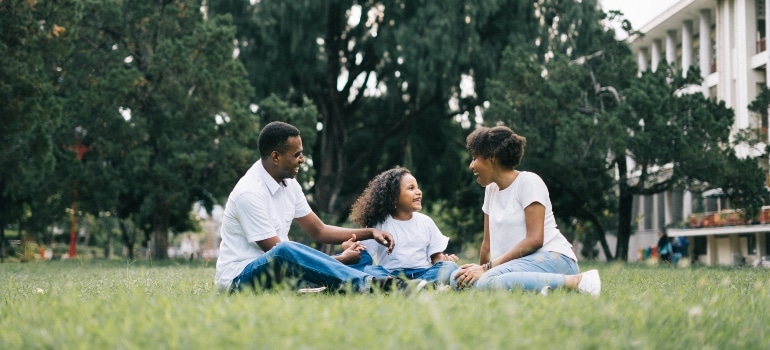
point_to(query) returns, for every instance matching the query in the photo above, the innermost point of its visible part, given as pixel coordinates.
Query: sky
(636, 11)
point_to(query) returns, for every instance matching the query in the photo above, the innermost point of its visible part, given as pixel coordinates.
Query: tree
(564, 145)
(154, 92)
(382, 76)
(550, 94)
(34, 36)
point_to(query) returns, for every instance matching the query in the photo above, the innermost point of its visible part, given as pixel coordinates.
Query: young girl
(391, 203)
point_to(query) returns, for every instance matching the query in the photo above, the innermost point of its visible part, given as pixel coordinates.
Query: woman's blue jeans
(532, 272)
(297, 261)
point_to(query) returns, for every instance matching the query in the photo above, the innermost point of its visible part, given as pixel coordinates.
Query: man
(255, 247)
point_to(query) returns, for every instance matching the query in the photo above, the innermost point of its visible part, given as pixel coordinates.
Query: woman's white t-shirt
(507, 225)
(416, 240)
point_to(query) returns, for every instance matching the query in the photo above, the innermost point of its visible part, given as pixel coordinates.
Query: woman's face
(410, 196)
(483, 169)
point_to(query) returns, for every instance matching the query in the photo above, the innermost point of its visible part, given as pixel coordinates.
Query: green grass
(111, 305)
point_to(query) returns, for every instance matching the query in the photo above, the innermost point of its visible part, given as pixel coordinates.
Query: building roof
(670, 19)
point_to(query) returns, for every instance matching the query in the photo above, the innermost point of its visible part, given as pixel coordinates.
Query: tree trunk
(2, 241)
(160, 232)
(128, 235)
(625, 208)
(601, 233)
(333, 138)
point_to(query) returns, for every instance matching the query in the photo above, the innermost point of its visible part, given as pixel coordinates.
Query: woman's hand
(468, 275)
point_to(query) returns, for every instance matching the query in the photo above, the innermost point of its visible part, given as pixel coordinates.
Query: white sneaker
(311, 290)
(545, 290)
(590, 283)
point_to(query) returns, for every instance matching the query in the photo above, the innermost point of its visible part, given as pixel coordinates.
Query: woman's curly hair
(379, 198)
(500, 142)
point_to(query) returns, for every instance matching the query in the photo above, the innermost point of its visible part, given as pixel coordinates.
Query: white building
(726, 39)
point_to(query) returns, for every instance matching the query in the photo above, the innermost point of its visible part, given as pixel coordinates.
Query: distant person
(256, 251)
(681, 248)
(522, 247)
(664, 246)
(391, 202)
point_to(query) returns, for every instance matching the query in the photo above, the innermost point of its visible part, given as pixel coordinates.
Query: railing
(726, 217)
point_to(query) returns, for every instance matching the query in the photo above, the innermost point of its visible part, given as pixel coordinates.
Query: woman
(522, 247)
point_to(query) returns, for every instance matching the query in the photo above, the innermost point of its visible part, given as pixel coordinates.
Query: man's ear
(274, 156)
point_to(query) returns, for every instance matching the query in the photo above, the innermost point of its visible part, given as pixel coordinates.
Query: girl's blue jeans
(438, 273)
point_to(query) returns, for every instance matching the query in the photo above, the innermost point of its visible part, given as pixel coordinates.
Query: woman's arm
(534, 216)
(484, 250)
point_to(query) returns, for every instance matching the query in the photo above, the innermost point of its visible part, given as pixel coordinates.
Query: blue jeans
(532, 272)
(298, 261)
(438, 273)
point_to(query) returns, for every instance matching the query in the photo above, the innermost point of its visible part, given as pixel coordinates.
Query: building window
(648, 212)
(761, 46)
(700, 246)
(751, 243)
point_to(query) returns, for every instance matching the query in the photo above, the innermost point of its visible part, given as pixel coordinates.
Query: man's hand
(384, 238)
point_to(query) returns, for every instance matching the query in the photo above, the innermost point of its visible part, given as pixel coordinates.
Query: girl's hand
(350, 243)
(352, 254)
(438, 257)
(449, 257)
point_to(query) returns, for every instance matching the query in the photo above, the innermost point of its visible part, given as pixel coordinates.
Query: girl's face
(410, 196)
(483, 169)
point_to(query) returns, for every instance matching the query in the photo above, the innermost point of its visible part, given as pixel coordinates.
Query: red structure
(80, 150)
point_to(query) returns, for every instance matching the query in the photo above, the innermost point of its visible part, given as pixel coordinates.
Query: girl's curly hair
(379, 198)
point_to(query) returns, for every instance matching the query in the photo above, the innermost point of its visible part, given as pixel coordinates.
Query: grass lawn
(173, 305)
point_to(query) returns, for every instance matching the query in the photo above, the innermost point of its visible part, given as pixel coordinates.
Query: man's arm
(323, 233)
(267, 244)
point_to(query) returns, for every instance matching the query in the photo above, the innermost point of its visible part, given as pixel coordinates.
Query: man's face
(290, 160)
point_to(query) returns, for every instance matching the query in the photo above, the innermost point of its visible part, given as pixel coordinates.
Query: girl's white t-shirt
(507, 225)
(416, 240)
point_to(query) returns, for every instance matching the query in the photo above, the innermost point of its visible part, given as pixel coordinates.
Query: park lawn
(101, 304)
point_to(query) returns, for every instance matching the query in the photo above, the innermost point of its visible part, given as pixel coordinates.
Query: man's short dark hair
(274, 137)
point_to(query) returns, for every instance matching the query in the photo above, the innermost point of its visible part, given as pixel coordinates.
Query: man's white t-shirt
(507, 225)
(416, 240)
(258, 208)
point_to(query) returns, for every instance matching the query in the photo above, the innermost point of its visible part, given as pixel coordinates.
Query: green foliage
(34, 38)
(154, 94)
(75, 304)
(381, 75)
